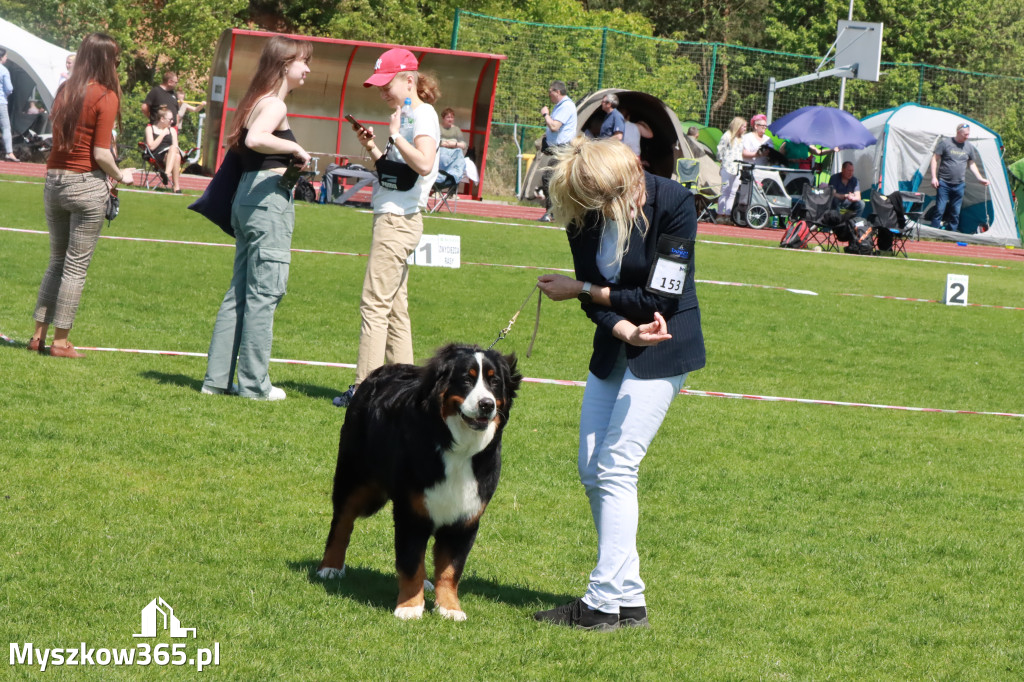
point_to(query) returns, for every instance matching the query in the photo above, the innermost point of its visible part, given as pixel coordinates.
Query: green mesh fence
(706, 82)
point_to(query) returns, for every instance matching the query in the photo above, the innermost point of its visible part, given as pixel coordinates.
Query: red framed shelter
(335, 87)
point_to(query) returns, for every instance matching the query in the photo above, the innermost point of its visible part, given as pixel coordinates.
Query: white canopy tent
(43, 62)
(901, 160)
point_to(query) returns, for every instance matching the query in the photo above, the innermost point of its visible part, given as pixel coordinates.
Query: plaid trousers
(75, 208)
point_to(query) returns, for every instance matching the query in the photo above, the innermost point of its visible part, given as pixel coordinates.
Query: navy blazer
(670, 211)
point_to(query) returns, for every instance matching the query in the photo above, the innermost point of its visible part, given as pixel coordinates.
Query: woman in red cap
(755, 139)
(386, 332)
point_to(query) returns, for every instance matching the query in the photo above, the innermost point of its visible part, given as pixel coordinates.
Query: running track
(493, 209)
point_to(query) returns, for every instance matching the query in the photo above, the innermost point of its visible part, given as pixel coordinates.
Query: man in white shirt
(561, 128)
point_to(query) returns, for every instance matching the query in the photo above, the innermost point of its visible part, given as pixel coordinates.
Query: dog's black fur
(428, 439)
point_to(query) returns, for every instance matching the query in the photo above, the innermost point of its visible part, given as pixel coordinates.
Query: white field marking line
(475, 220)
(363, 255)
(805, 292)
(580, 384)
(929, 300)
(833, 253)
(122, 188)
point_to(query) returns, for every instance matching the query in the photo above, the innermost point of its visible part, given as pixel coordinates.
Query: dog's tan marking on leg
(341, 534)
(418, 503)
(410, 593)
(446, 587)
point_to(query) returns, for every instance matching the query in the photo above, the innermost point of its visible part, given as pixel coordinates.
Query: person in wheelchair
(846, 195)
(162, 143)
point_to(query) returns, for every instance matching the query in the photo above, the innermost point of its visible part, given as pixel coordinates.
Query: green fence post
(711, 83)
(600, 67)
(455, 28)
(920, 85)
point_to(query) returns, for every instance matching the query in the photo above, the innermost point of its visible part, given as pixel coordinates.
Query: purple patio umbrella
(824, 127)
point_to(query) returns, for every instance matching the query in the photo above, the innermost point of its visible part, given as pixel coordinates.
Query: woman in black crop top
(263, 218)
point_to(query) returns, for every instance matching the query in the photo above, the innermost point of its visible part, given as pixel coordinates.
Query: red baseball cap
(390, 63)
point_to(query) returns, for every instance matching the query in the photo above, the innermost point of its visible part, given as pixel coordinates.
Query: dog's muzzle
(485, 411)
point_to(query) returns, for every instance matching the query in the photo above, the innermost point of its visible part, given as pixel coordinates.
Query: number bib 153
(672, 263)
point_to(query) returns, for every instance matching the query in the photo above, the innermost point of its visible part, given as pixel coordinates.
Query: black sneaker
(633, 617)
(345, 399)
(576, 614)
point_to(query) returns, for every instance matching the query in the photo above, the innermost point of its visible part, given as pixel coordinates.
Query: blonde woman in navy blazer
(637, 285)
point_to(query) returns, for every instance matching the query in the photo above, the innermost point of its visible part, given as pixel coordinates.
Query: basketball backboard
(860, 43)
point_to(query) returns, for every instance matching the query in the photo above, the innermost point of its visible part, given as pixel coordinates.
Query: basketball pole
(842, 84)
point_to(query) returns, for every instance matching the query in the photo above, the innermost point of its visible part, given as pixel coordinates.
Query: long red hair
(277, 55)
(96, 61)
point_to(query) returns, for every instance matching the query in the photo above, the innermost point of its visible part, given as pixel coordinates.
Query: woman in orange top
(80, 172)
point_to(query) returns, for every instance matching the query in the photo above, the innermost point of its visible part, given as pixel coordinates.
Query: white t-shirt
(751, 143)
(425, 122)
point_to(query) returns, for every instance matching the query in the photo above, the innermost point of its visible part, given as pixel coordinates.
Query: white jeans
(620, 417)
(730, 184)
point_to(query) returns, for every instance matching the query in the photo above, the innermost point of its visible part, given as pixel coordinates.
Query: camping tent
(901, 160)
(38, 65)
(659, 152)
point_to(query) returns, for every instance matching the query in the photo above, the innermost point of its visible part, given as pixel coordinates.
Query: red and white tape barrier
(570, 382)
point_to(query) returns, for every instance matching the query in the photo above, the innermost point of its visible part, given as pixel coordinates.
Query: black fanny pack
(395, 175)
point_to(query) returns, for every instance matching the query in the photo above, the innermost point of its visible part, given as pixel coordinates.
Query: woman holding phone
(263, 217)
(386, 332)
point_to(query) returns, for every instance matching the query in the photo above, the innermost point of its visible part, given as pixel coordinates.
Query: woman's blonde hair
(736, 126)
(428, 88)
(604, 176)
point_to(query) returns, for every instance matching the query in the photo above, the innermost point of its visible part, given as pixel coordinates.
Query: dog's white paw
(428, 586)
(409, 612)
(452, 614)
(331, 573)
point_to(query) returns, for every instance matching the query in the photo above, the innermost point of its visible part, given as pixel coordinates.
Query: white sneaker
(275, 394)
(212, 390)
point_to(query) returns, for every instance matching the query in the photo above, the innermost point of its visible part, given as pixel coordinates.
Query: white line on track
(570, 382)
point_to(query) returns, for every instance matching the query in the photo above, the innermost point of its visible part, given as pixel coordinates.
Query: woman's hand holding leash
(559, 287)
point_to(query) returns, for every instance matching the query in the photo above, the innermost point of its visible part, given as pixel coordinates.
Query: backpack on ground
(862, 237)
(796, 236)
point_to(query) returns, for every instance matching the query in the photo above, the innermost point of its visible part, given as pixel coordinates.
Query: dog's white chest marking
(457, 497)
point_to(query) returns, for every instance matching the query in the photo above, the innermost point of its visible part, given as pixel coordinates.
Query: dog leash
(536, 324)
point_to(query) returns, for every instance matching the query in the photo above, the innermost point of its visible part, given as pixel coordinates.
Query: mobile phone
(351, 119)
(290, 175)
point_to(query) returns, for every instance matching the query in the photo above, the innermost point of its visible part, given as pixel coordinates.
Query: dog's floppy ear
(510, 378)
(438, 374)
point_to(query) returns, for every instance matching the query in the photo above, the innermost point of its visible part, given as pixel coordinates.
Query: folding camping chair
(444, 189)
(152, 170)
(889, 216)
(704, 197)
(687, 172)
(815, 205)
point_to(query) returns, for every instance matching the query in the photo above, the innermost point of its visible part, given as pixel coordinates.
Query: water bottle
(407, 120)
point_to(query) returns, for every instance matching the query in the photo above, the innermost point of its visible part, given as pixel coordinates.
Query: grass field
(779, 541)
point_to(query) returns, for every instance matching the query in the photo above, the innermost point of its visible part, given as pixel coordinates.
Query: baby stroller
(761, 196)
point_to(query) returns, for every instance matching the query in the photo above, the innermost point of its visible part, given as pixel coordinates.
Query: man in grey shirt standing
(950, 161)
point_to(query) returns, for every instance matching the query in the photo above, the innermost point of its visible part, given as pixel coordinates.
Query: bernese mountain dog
(428, 439)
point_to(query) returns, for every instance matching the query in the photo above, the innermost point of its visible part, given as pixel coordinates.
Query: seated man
(847, 190)
(451, 156)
